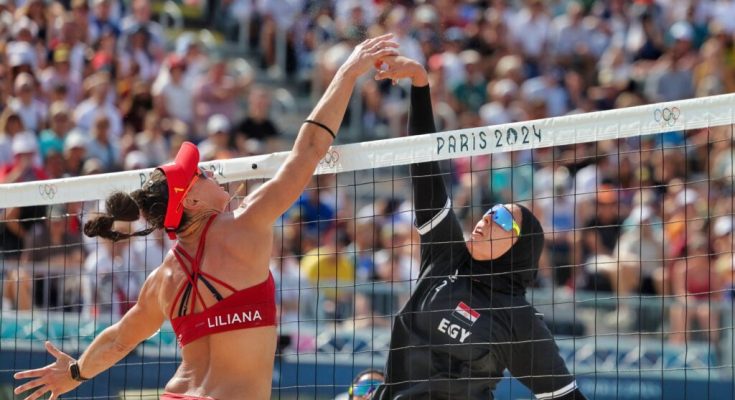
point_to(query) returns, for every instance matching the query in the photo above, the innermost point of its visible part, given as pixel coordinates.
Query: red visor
(179, 177)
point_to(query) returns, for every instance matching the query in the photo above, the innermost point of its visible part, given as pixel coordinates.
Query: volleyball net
(636, 280)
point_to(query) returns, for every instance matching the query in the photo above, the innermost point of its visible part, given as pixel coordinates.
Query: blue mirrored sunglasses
(364, 388)
(504, 218)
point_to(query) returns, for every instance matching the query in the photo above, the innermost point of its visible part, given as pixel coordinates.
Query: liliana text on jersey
(234, 318)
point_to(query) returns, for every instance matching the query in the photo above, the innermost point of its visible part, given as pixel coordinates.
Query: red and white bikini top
(247, 308)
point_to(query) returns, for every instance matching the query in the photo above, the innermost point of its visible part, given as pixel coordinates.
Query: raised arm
(272, 199)
(430, 197)
(436, 222)
(429, 192)
(114, 343)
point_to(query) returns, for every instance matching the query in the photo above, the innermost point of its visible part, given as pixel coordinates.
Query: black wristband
(319, 124)
(75, 373)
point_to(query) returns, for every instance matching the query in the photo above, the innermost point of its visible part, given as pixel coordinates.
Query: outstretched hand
(54, 378)
(399, 67)
(368, 53)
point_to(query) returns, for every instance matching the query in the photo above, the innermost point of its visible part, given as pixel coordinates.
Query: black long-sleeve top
(442, 242)
(441, 340)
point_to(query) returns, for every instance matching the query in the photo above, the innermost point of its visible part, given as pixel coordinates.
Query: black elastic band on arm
(319, 124)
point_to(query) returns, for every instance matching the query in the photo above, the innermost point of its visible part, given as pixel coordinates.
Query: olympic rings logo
(330, 159)
(666, 116)
(47, 191)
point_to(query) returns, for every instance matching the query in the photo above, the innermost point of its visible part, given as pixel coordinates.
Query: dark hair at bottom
(150, 200)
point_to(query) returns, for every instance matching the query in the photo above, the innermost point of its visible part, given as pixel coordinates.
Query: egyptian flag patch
(465, 313)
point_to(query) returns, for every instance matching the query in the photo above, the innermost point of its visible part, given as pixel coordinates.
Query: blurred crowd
(98, 86)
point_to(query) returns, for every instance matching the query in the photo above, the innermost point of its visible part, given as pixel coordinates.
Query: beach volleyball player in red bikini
(214, 285)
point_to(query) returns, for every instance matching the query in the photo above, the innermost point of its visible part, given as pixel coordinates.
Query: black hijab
(515, 270)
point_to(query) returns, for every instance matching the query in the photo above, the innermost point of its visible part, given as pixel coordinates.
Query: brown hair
(151, 200)
(5, 116)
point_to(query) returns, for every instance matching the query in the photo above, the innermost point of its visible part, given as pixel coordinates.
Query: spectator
(71, 37)
(5, 90)
(351, 19)
(531, 32)
(724, 263)
(363, 244)
(257, 125)
(52, 139)
(24, 167)
(138, 55)
(365, 315)
(215, 93)
(311, 210)
(640, 252)
(30, 109)
(21, 58)
(92, 166)
(216, 146)
(695, 284)
(135, 160)
(310, 33)
(98, 85)
(75, 151)
(102, 20)
(18, 220)
(510, 180)
(589, 177)
(197, 59)
(285, 269)
(500, 110)
(671, 77)
(713, 75)
(375, 123)
(53, 164)
(398, 21)
(556, 209)
(35, 11)
(723, 158)
(327, 267)
(115, 272)
(60, 73)
(643, 39)
(568, 36)
(332, 58)
(597, 242)
(174, 97)
(451, 63)
(25, 31)
(10, 125)
(614, 66)
(141, 17)
(135, 106)
(151, 140)
(394, 263)
(683, 207)
(391, 263)
(81, 19)
(723, 13)
(53, 249)
(275, 18)
(471, 92)
(102, 146)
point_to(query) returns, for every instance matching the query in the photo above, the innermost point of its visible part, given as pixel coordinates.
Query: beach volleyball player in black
(468, 319)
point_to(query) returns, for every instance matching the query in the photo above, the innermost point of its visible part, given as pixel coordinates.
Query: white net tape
(590, 127)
